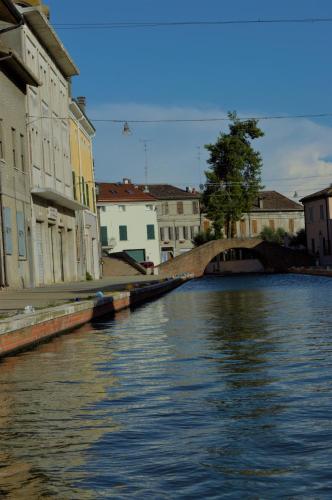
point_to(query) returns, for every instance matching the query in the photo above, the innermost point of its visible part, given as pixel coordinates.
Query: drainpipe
(4, 58)
(11, 28)
(3, 270)
(327, 225)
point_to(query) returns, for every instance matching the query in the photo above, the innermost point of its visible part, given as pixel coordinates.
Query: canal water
(220, 389)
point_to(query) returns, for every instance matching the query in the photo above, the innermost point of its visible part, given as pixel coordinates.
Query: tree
(273, 235)
(234, 175)
(203, 237)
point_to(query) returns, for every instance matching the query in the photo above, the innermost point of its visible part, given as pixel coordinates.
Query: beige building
(178, 216)
(318, 224)
(270, 209)
(53, 205)
(273, 210)
(15, 200)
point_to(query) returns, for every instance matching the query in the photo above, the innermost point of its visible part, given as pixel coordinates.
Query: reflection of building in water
(48, 400)
(235, 260)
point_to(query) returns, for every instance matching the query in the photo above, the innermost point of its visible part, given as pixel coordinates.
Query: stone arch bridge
(273, 257)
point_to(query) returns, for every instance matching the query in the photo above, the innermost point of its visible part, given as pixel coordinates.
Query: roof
(169, 192)
(324, 193)
(12, 61)
(81, 117)
(113, 192)
(9, 13)
(272, 200)
(39, 24)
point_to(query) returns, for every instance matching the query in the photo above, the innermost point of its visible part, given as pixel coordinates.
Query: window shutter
(162, 233)
(21, 234)
(8, 230)
(150, 232)
(103, 236)
(171, 233)
(177, 233)
(123, 233)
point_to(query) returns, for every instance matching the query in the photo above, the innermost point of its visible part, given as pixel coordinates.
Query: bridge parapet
(273, 256)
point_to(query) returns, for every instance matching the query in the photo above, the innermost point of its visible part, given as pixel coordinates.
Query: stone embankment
(313, 271)
(25, 330)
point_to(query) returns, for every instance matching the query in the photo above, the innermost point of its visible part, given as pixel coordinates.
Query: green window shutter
(103, 236)
(123, 233)
(7, 216)
(21, 234)
(87, 195)
(150, 232)
(74, 185)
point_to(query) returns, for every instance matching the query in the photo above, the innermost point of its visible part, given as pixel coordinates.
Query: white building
(53, 204)
(128, 221)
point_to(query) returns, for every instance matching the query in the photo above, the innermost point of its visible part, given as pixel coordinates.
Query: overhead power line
(189, 120)
(198, 23)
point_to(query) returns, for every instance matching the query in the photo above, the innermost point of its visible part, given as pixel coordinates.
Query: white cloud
(295, 148)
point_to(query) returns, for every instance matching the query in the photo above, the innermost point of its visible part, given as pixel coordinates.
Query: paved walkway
(12, 301)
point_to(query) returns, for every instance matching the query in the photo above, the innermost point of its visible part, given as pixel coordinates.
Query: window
(165, 208)
(313, 246)
(195, 207)
(2, 148)
(149, 208)
(14, 146)
(7, 216)
(321, 212)
(272, 224)
(103, 208)
(311, 214)
(103, 236)
(254, 227)
(179, 207)
(21, 234)
(122, 208)
(150, 232)
(291, 226)
(123, 233)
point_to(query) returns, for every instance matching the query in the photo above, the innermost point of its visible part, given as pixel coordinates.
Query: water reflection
(219, 389)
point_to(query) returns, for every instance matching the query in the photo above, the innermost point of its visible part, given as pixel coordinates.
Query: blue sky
(198, 72)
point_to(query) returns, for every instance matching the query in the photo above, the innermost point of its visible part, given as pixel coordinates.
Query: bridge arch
(235, 261)
(273, 257)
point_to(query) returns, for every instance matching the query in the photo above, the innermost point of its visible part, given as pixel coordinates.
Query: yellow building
(81, 134)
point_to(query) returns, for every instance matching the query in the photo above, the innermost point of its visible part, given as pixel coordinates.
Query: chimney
(81, 101)
(125, 180)
(260, 202)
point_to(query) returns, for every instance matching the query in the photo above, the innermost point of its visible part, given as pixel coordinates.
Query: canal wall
(24, 331)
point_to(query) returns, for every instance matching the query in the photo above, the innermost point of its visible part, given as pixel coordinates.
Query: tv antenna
(146, 162)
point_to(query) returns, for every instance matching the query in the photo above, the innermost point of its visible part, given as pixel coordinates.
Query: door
(39, 254)
(62, 275)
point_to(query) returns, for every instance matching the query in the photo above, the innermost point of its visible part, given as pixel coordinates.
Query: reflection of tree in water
(248, 402)
(48, 416)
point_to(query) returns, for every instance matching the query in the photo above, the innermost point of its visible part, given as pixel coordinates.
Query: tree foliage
(273, 235)
(234, 175)
(203, 237)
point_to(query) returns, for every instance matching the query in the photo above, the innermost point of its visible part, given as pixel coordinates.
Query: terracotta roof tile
(272, 200)
(324, 193)
(169, 192)
(119, 192)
